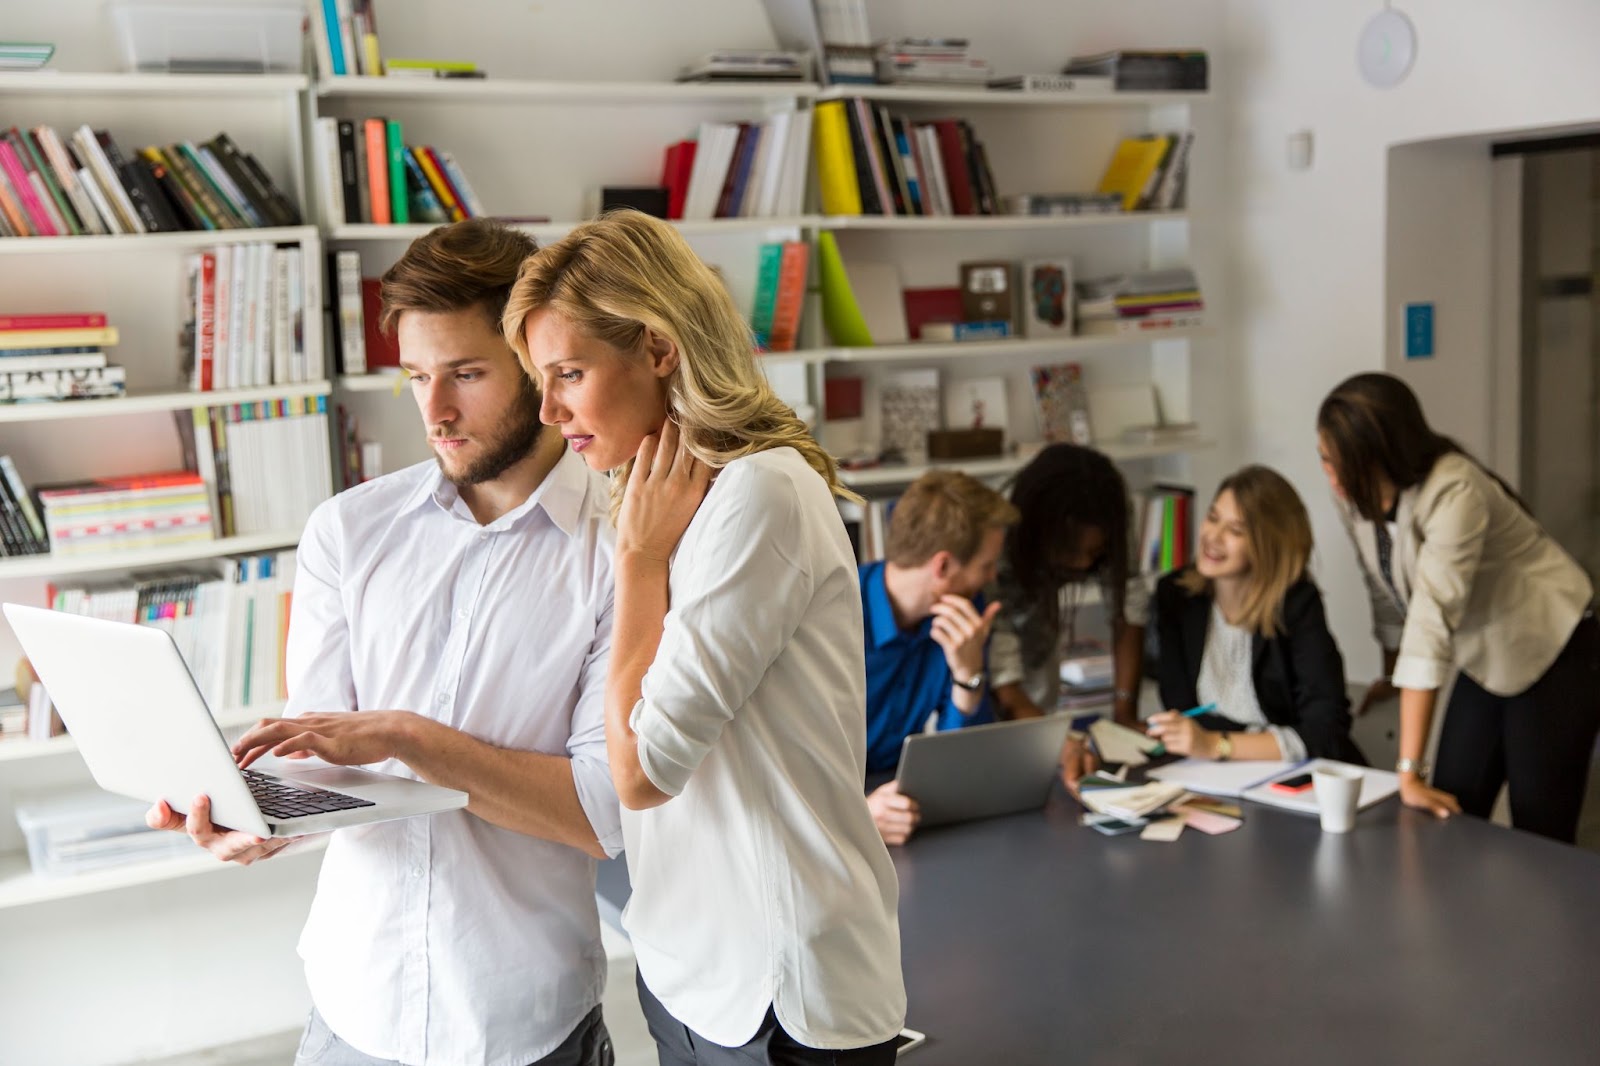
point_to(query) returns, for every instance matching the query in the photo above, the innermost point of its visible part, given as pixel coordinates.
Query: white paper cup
(1338, 790)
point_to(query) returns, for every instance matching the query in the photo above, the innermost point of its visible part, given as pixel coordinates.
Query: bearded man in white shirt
(475, 594)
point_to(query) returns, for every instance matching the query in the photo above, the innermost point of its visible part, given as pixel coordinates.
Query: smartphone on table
(1292, 785)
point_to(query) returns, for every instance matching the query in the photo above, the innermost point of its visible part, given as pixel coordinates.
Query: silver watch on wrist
(971, 684)
(1419, 767)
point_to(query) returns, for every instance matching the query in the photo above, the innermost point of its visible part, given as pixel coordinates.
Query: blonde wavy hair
(620, 274)
(1278, 531)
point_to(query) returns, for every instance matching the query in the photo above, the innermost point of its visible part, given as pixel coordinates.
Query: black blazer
(1298, 675)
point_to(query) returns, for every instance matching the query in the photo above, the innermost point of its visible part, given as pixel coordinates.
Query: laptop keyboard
(284, 801)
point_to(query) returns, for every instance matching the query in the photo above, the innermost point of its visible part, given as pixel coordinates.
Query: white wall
(1308, 294)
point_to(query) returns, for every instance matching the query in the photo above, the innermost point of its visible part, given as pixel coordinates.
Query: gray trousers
(588, 1045)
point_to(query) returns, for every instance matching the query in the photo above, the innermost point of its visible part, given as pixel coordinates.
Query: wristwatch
(1224, 747)
(1419, 767)
(971, 684)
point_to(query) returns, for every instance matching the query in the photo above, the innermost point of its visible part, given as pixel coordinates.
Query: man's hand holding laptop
(229, 845)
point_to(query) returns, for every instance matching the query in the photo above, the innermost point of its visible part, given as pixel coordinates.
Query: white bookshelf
(50, 82)
(1002, 466)
(68, 410)
(985, 97)
(374, 382)
(20, 886)
(576, 93)
(550, 231)
(148, 243)
(229, 718)
(1021, 223)
(923, 351)
(52, 565)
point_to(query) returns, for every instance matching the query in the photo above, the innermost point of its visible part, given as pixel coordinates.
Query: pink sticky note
(1207, 822)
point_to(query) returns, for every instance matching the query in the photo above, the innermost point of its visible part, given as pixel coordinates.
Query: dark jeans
(678, 1045)
(1540, 742)
(588, 1045)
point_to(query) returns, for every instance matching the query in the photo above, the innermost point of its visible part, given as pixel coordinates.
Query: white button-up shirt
(763, 882)
(445, 940)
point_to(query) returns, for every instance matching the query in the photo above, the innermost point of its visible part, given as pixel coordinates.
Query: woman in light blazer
(1462, 577)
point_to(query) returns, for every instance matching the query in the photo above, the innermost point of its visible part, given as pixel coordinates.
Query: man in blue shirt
(927, 626)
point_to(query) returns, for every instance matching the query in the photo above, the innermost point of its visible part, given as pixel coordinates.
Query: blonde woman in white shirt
(764, 903)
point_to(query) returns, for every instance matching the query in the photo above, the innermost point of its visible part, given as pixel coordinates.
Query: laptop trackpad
(350, 779)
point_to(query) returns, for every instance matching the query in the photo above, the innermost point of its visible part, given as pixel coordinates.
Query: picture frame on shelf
(1046, 298)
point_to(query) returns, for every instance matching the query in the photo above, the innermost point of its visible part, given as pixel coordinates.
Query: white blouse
(763, 881)
(1226, 680)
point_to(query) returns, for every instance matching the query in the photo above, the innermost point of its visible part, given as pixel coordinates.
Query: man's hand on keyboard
(229, 845)
(348, 738)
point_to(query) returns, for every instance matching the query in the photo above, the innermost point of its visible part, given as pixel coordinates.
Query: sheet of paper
(1166, 831)
(1219, 778)
(1118, 743)
(1206, 821)
(1376, 786)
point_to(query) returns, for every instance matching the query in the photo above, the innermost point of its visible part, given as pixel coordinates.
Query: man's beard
(511, 441)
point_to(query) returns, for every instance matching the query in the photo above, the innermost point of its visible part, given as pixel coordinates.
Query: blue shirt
(907, 677)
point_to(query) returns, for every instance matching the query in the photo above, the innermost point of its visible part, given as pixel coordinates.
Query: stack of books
(1150, 173)
(344, 35)
(431, 68)
(13, 716)
(372, 176)
(229, 620)
(51, 357)
(20, 55)
(265, 465)
(1136, 71)
(945, 61)
(739, 170)
(847, 45)
(1072, 203)
(22, 530)
(127, 513)
(75, 832)
(873, 163)
(359, 460)
(747, 65)
(1140, 302)
(51, 187)
(244, 318)
(1166, 538)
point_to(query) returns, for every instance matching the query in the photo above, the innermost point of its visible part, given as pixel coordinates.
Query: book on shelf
(1075, 203)
(267, 464)
(931, 307)
(1144, 301)
(228, 618)
(1070, 84)
(349, 333)
(242, 319)
(862, 302)
(944, 332)
(780, 295)
(739, 170)
(910, 410)
(755, 64)
(344, 38)
(369, 175)
(1166, 533)
(85, 184)
(124, 514)
(871, 162)
(1146, 71)
(359, 460)
(25, 55)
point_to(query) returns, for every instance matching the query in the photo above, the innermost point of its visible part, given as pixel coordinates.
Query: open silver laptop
(128, 699)
(982, 770)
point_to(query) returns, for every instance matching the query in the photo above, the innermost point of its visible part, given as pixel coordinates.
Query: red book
(675, 175)
(17, 174)
(62, 321)
(205, 322)
(377, 137)
(458, 210)
(954, 157)
(381, 349)
(841, 398)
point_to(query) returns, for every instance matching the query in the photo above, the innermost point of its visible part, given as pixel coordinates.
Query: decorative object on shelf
(1047, 296)
(262, 38)
(1386, 49)
(862, 303)
(910, 410)
(1063, 403)
(977, 403)
(986, 292)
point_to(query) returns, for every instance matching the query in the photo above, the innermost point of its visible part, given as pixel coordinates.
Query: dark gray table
(1031, 939)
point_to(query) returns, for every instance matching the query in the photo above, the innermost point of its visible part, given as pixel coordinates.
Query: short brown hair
(945, 510)
(465, 264)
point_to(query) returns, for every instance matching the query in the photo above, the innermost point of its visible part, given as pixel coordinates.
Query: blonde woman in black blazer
(1463, 578)
(1243, 627)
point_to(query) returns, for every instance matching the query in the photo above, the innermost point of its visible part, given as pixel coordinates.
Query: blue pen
(1195, 712)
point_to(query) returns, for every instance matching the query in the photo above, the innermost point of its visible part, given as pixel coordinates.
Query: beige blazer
(1478, 584)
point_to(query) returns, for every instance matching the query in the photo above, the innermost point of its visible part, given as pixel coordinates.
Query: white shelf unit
(20, 886)
(138, 282)
(1004, 466)
(959, 97)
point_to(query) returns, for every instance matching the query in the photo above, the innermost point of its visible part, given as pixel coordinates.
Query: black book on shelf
(893, 175)
(871, 204)
(288, 210)
(233, 167)
(172, 194)
(146, 198)
(647, 199)
(349, 175)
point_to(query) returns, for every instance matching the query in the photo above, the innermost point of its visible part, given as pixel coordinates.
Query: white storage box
(73, 832)
(211, 38)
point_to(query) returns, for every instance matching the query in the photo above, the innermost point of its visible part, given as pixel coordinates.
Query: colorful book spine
(398, 206)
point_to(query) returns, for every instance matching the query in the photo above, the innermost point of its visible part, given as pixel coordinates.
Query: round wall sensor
(1387, 48)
